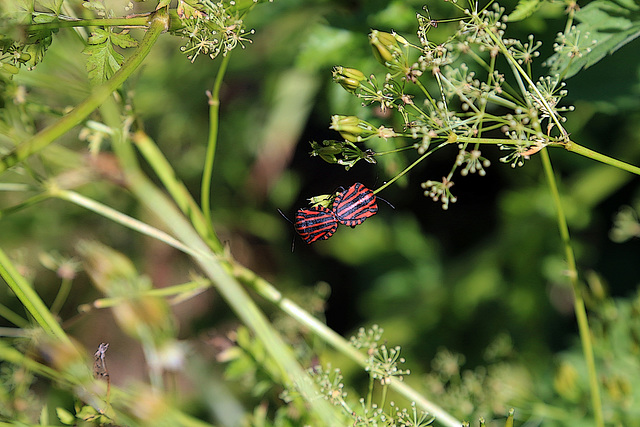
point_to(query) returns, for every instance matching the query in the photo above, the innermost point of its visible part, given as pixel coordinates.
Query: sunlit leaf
(104, 60)
(524, 9)
(605, 26)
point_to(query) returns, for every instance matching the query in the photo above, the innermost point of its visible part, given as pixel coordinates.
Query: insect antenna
(293, 241)
(386, 201)
(285, 217)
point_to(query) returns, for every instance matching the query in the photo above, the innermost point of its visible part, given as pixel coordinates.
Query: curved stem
(42, 139)
(578, 301)
(214, 121)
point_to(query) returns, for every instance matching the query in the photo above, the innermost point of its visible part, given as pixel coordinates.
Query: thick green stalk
(11, 316)
(214, 122)
(328, 335)
(134, 21)
(30, 299)
(584, 151)
(228, 287)
(578, 301)
(158, 23)
(176, 188)
(569, 146)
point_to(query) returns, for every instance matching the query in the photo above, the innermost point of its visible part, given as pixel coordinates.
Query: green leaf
(524, 9)
(18, 11)
(123, 40)
(53, 5)
(163, 3)
(94, 5)
(104, 60)
(605, 26)
(65, 416)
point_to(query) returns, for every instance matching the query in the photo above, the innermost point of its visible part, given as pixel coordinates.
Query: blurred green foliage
(489, 270)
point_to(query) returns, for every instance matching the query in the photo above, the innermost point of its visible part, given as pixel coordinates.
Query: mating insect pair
(350, 207)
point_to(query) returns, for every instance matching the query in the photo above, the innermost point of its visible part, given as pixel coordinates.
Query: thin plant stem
(328, 335)
(13, 317)
(370, 392)
(122, 219)
(383, 396)
(578, 301)
(159, 23)
(408, 168)
(228, 287)
(61, 297)
(214, 122)
(178, 191)
(191, 288)
(30, 299)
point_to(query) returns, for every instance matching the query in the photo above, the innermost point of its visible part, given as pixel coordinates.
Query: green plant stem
(383, 395)
(11, 316)
(578, 301)
(271, 294)
(30, 299)
(159, 23)
(214, 121)
(176, 188)
(227, 286)
(61, 297)
(569, 146)
(121, 218)
(12, 355)
(584, 151)
(408, 168)
(519, 72)
(190, 288)
(134, 21)
(370, 391)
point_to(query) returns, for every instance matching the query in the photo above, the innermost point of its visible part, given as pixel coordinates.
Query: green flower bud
(348, 78)
(384, 46)
(351, 128)
(348, 73)
(343, 153)
(321, 200)
(327, 150)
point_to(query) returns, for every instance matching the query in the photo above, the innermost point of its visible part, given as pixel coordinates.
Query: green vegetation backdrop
(476, 308)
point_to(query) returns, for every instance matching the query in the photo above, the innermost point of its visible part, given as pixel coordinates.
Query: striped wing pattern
(353, 206)
(315, 223)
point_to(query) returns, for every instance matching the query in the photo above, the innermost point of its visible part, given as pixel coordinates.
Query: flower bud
(327, 150)
(384, 46)
(351, 128)
(322, 200)
(348, 78)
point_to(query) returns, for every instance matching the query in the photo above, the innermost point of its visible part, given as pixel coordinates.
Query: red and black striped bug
(315, 223)
(353, 206)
